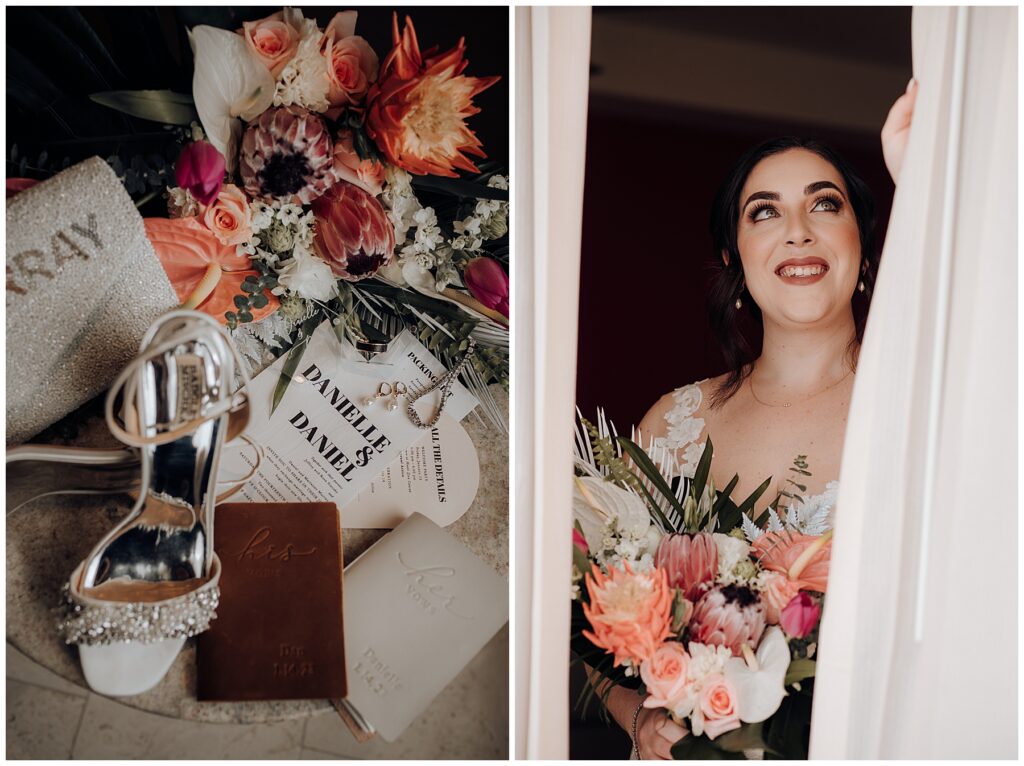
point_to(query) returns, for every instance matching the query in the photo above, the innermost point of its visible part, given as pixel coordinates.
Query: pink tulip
(728, 616)
(200, 169)
(690, 560)
(580, 542)
(800, 616)
(488, 283)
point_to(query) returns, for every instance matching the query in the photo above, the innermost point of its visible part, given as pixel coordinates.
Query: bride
(793, 224)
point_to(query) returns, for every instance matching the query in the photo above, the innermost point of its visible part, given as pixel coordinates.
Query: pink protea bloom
(287, 155)
(353, 233)
(729, 616)
(691, 562)
(630, 612)
(200, 169)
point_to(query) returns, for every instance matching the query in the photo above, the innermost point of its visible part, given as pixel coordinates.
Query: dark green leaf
(163, 106)
(747, 737)
(259, 300)
(241, 302)
(651, 471)
(691, 748)
(700, 476)
(244, 316)
(747, 504)
(287, 373)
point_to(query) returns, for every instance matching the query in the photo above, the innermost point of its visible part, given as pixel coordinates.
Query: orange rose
(368, 175)
(630, 612)
(228, 217)
(273, 40)
(352, 64)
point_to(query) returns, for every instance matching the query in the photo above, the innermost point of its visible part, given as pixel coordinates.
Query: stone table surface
(48, 537)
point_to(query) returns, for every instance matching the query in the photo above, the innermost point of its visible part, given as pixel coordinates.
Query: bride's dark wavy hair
(727, 282)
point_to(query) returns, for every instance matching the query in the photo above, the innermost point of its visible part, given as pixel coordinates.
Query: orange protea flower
(785, 553)
(630, 612)
(417, 109)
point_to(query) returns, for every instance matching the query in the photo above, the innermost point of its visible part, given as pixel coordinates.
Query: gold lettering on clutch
(255, 549)
(293, 669)
(428, 595)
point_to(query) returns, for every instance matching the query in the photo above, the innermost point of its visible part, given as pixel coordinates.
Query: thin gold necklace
(789, 404)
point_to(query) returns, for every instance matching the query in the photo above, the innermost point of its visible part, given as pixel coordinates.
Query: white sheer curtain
(919, 647)
(552, 73)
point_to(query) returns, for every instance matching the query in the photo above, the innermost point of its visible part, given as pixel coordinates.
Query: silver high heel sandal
(151, 583)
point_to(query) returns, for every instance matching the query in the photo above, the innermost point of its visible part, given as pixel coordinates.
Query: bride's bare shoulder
(686, 404)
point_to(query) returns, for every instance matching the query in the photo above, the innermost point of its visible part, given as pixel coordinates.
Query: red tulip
(200, 169)
(488, 283)
(800, 616)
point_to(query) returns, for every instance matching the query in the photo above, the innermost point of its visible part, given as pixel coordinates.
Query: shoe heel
(125, 669)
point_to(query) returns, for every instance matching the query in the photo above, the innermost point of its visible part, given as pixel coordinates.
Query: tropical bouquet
(684, 595)
(314, 179)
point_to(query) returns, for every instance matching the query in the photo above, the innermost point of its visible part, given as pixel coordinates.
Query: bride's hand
(897, 129)
(656, 733)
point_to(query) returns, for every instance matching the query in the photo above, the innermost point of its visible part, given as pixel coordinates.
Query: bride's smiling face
(798, 239)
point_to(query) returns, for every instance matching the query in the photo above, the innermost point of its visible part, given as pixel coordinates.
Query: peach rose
(718, 704)
(777, 592)
(630, 612)
(228, 217)
(273, 40)
(368, 175)
(664, 675)
(352, 65)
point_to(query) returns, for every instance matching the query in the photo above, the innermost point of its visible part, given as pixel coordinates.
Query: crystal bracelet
(636, 714)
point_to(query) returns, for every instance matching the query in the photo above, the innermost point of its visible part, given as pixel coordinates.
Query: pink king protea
(730, 616)
(287, 155)
(690, 560)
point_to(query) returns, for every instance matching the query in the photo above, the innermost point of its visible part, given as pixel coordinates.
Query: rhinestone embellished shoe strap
(88, 620)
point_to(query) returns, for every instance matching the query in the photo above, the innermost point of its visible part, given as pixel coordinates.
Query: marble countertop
(48, 537)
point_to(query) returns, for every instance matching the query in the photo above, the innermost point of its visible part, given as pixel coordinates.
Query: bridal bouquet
(679, 592)
(315, 179)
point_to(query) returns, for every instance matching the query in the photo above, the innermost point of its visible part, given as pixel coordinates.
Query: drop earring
(739, 303)
(860, 286)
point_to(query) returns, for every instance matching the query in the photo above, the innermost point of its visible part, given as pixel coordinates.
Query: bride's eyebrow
(809, 189)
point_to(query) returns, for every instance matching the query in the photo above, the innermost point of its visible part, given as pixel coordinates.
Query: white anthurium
(759, 679)
(596, 503)
(230, 82)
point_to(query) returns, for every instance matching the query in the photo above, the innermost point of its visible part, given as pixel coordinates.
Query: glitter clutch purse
(83, 285)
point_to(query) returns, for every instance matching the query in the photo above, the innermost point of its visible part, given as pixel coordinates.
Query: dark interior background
(677, 94)
(58, 56)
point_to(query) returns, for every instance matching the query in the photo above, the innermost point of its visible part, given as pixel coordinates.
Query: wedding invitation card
(324, 441)
(437, 476)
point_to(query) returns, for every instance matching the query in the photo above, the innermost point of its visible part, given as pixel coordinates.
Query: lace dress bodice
(686, 432)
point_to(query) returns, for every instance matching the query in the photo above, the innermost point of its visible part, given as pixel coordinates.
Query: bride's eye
(833, 204)
(755, 212)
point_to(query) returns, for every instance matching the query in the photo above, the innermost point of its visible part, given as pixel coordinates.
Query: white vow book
(418, 608)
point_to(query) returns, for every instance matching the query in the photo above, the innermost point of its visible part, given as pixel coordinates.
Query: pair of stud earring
(390, 393)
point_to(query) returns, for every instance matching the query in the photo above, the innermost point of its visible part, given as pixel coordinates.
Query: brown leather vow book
(278, 633)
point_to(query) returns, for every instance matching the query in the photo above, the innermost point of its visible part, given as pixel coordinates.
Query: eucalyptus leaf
(163, 106)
